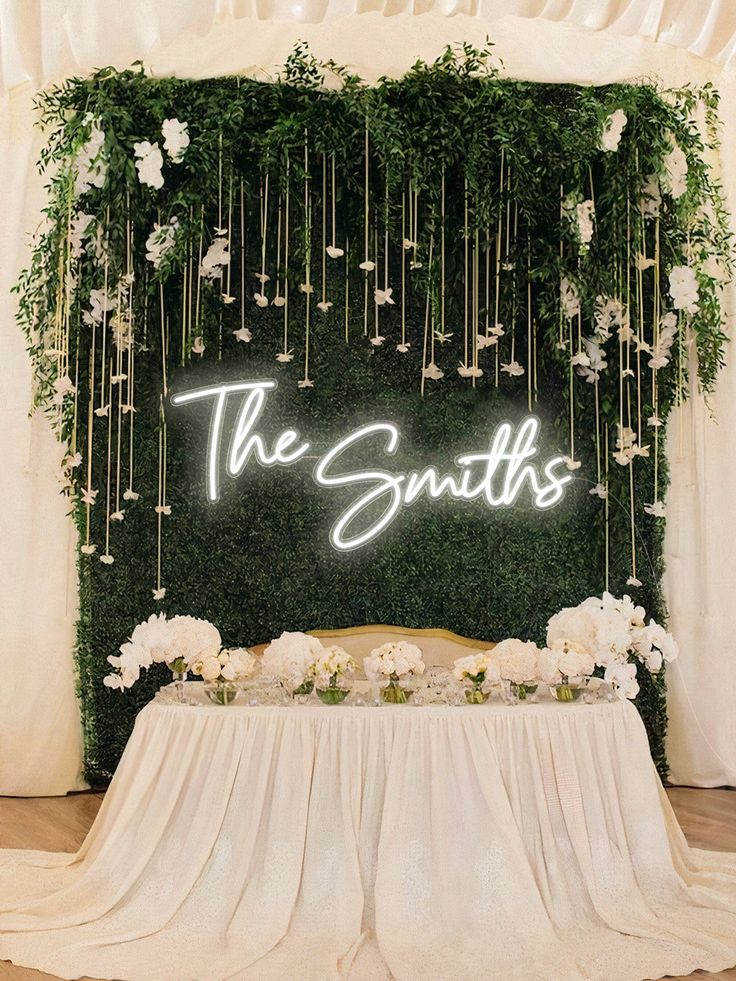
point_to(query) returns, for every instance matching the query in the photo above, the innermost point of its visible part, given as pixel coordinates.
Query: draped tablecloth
(316, 843)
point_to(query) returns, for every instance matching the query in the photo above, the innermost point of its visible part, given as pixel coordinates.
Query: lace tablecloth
(422, 844)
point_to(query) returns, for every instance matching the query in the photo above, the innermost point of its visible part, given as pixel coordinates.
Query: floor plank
(708, 818)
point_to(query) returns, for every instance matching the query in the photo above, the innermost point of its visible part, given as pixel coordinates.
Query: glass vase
(179, 670)
(394, 694)
(567, 692)
(524, 691)
(222, 692)
(305, 688)
(332, 695)
(475, 696)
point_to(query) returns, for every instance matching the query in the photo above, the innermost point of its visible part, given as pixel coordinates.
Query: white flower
(130, 495)
(633, 581)
(403, 348)
(261, 299)
(334, 252)
(569, 298)
(331, 667)
(393, 661)
(599, 491)
(198, 346)
(102, 410)
(613, 127)
(72, 461)
(149, 163)
(442, 336)
(107, 559)
(78, 233)
(163, 509)
(90, 162)
(278, 301)
(191, 640)
(263, 278)
(654, 421)
(575, 664)
(483, 340)
(324, 305)
(63, 386)
(306, 288)
(377, 340)
(88, 496)
(117, 515)
(291, 656)
(216, 258)
(114, 681)
(227, 299)
(367, 265)
(497, 330)
(243, 334)
(242, 661)
(548, 666)
(100, 305)
(516, 660)
(684, 288)
(643, 262)
(433, 372)
(580, 359)
(159, 593)
(383, 296)
(596, 360)
(623, 679)
(88, 549)
(581, 215)
(713, 268)
(176, 138)
(480, 667)
(513, 368)
(572, 464)
(656, 509)
(305, 383)
(675, 165)
(466, 371)
(285, 356)
(161, 241)
(408, 244)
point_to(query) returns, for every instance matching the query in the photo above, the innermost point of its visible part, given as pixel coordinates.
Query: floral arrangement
(180, 643)
(231, 664)
(290, 659)
(331, 668)
(609, 636)
(393, 663)
(478, 672)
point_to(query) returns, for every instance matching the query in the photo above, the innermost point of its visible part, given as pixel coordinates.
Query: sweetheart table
(437, 842)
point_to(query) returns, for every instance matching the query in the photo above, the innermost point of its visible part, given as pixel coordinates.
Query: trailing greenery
(472, 185)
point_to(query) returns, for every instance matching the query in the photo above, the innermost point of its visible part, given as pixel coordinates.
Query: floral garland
(537, 224)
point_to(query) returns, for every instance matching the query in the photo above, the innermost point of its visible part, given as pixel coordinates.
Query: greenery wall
(460, 194)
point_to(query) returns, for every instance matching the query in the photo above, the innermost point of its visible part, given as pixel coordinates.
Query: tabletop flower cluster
(231, 664)
(332, 667)
(393, 661)
(290, 657)
(612, 635)
(180, 643)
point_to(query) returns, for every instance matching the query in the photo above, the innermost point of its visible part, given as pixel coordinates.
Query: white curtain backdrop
(583, 41)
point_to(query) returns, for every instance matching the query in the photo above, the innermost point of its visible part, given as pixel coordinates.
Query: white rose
(211, 668)
(516, 660)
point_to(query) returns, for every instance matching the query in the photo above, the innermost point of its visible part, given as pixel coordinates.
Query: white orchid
(325, 306)
(403, 348)
(216, 258)
(243, 334)
(571, 463)
(88, 549)
(684, 288)
(622, 677)
(278, 301)
(377, 340)
(334, 252)
(367, 265)
(88, 496)
(306, 288)
(117, 516)
(675, 165)
(90, 162)
(161, 241)
(485, 340)
(613, 127)
(263, 278)
(285, 356)
(569, 298)
(656, 509)
(176, 138)
(384, 296)
(107, 559)
(149, 162)
(261, 299)
(164, 509)
(227, 299)
(102, 410)
(305, 383)
(600, 490)
(130, 495)
(159, 593)
(78, 233)
(468, 371)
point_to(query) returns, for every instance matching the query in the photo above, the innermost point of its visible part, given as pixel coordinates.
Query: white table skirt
(316, 843)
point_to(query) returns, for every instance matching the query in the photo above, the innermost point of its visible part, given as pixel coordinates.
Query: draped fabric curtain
(582, 41)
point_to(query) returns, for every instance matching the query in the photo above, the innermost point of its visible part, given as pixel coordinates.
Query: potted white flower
(330, 672)
(391, 664)
(477, 672)
(224, 672)
(289, 659)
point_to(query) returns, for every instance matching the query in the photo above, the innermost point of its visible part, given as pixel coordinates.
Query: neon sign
(497, 476)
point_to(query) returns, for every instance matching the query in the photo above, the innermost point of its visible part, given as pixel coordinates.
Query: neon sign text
(497, 475)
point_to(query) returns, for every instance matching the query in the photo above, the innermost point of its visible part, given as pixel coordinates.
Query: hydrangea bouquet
(391, 664)
(289, 658)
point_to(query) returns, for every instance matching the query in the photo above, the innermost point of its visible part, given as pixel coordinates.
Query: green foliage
(481, 161)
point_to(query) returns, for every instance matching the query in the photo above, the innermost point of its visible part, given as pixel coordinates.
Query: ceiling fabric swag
(560, 247)
(46, 41)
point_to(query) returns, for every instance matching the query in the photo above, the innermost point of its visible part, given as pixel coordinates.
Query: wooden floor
(708, 818)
